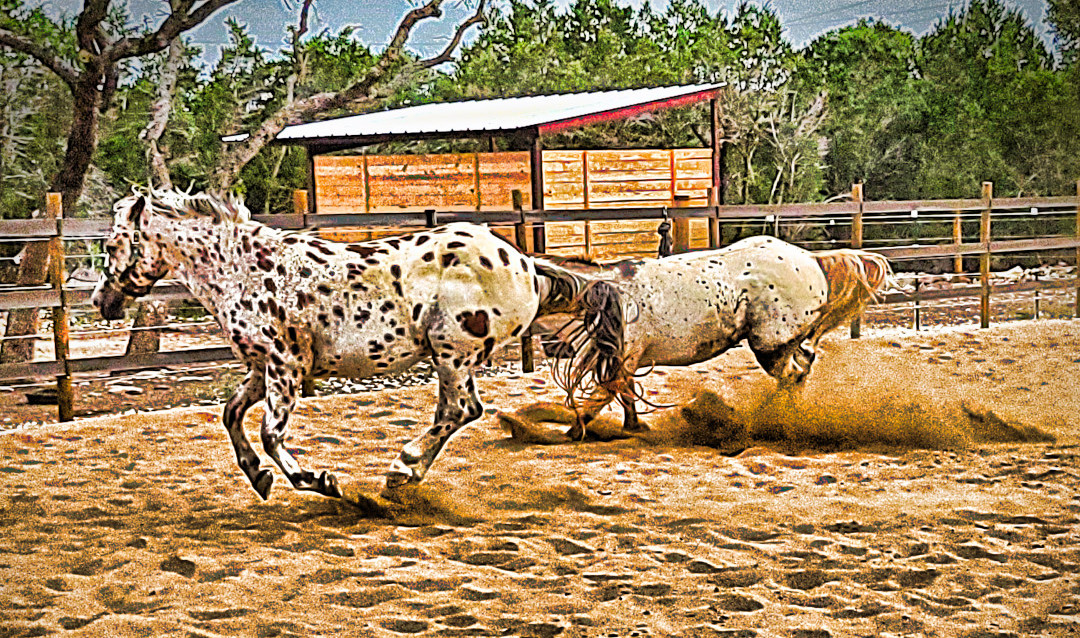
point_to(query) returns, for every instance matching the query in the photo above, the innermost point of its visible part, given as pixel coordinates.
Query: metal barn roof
(538, 114)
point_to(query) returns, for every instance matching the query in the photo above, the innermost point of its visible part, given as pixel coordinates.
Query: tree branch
(176, 24)
(62, 68)
(236, 156)
(476, 18)
(86, 28)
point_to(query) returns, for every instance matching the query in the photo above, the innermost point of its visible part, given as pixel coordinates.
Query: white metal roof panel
(480, 116)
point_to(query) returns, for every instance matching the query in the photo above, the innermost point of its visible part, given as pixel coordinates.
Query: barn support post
(65, 395)
(585, 202)
(857, 243)
(367, 184)
(984, 257)
(476, 181)
(536, 168)
(523, 238)
(311, 153)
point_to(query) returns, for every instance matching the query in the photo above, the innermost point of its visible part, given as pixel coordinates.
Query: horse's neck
(199, 250)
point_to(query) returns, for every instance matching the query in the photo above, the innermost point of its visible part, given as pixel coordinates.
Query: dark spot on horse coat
(475, 324)
(428, 256)
(449, 259)
(270, 285)
(421, 239)
(302, 299)
(264, 263)
(363, 251)
(416, 312)
(324, 289)
(485, 262)
(305, 272)
(291, 239)
(504, 257)
(455, 244)
(387, 307)
(317, 259)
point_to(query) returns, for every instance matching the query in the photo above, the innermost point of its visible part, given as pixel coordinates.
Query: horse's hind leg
(459, 404)
(281, 394)
(251, 391)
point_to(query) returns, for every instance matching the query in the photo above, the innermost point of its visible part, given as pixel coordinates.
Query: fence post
(300, 205)
(523, 237)
(984, 257)
(65, 398)
(680, 227)
(957, 238)
(715, 236)
(857, 242)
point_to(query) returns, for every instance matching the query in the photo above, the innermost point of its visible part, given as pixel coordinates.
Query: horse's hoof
(264, 480)
(396, 479)
(328, 485)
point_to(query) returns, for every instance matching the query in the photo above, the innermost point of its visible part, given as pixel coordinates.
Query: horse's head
(132, 265)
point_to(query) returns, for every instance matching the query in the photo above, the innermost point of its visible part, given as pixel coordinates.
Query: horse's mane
(179, 205)
(855, 278)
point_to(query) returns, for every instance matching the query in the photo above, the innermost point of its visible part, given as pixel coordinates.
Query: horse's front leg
(459, 404)
(252, 390)
(282, 390)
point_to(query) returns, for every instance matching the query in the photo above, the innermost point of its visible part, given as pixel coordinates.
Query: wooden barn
(551, 183)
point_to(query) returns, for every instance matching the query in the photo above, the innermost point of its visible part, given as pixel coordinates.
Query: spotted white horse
(296, 307)
(689, 308)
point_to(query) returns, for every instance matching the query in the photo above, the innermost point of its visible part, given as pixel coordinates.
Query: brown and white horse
(296, 307)
(691, 307)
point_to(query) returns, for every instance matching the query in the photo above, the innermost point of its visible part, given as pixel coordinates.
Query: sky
(374, 20)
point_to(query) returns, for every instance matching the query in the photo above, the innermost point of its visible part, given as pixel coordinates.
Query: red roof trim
(627, 112)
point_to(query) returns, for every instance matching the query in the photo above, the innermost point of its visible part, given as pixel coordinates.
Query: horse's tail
(597, 343)
(855, 277)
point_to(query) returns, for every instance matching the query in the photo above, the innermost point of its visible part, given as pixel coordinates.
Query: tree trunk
(82, 142)
(23, 322)
(148, 315)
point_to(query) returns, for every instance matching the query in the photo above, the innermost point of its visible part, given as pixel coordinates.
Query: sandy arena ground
(142, 525)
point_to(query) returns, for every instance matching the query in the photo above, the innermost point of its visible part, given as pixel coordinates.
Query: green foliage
(978, 98)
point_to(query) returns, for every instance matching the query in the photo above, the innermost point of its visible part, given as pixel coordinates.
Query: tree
(876, 118)
(88, 59)
(1063, 16)
(393, 68)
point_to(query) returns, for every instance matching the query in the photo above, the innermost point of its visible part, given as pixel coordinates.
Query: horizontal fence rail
(618, 228)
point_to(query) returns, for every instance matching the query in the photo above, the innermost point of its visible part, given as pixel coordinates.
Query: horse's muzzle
(109, 300)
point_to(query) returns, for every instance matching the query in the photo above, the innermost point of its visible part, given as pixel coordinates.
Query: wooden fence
(856, 215)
